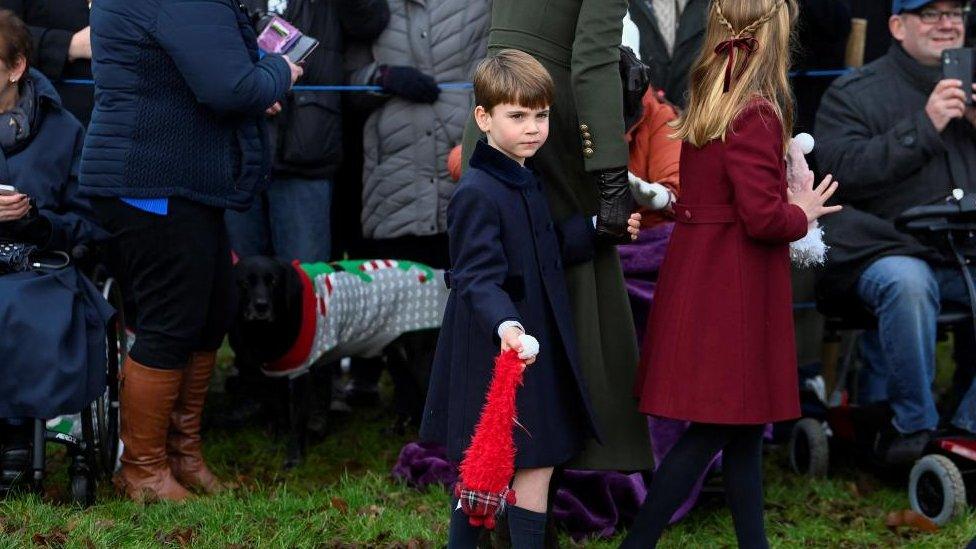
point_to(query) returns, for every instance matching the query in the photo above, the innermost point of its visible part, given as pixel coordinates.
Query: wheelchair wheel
(809, 449)
(104, 411)
(936, 489)
(81, 487)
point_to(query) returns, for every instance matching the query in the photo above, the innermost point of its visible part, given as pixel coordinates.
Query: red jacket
(653, 153)
(720, 346)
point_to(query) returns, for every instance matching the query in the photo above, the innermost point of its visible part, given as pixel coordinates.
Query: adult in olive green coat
(583, 166)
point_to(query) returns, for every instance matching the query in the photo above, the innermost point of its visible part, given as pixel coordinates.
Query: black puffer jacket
(307, 134)
(873, 135)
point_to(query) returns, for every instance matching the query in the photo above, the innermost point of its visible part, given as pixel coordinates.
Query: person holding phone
(53, 320)
(291, 219)
(899, 134)
(177, 137)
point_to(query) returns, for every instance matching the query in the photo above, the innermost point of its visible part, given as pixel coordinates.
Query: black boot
(15, 457)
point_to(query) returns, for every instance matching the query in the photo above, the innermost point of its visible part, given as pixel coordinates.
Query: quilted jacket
(179, 102)
(406, 184)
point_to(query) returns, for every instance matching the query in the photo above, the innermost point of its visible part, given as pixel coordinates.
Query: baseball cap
(898, 6)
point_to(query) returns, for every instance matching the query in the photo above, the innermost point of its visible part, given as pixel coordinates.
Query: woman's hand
(273, 109)
(296, 70)
(80, 46)
(510, 340)
(811, 200)
(13, 207)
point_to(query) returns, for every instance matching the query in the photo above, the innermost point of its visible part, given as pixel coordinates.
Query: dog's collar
(302, 348)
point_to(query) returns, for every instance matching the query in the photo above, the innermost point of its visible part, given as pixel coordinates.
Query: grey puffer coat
(406, 185)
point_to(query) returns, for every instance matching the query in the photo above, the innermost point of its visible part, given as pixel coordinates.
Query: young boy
(507, 280)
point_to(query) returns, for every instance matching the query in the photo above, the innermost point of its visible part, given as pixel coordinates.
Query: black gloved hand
(616, 205)
(408, 83)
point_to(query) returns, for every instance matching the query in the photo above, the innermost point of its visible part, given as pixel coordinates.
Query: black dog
(268, 322)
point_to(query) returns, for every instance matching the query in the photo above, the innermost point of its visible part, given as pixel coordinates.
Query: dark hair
(15, 39)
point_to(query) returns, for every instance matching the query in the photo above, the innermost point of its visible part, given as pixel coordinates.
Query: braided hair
(751, 28)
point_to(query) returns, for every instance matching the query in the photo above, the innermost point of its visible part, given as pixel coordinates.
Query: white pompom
(530, 346)
(805, 141)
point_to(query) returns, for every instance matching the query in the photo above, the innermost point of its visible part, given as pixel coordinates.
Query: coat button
(908, 140)
(587, 143)
(587, 152)
(586, 135)
(687, 214)
(584, 128)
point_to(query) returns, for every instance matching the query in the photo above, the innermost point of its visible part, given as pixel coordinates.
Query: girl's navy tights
(684, 464)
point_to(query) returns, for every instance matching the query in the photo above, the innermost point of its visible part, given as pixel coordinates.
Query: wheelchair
(938, 479)
(92, 455)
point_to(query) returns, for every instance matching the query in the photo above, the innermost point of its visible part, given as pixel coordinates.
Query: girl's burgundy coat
(720, 346)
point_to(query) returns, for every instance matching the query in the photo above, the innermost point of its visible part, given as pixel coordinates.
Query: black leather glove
(408, 83)
(616, 205)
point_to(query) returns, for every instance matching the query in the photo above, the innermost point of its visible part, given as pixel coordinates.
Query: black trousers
(175, 274)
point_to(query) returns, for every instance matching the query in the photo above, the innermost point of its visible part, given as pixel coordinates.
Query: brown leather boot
(183, 445)
(147, 397)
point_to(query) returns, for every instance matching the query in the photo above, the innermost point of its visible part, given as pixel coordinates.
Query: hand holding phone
(13, 205)
(957, 64)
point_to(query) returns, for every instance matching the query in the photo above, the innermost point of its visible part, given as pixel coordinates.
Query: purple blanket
(640, 262)
(587, 503)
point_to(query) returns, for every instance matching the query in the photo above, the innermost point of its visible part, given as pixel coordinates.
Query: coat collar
(691, 22)
(921, 77)
(499, 166)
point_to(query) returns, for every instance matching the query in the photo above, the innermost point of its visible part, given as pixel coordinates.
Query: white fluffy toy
(809, 250)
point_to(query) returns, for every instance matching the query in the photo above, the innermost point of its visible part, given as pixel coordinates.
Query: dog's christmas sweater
(356, 308)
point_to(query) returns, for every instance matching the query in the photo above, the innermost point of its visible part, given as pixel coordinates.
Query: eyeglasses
(930, 17)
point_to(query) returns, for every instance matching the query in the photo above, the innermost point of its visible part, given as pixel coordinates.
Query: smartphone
(8, 190)
(957, 63)
(302, 48)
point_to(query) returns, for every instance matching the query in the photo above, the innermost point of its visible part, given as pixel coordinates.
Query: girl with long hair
(720, 348)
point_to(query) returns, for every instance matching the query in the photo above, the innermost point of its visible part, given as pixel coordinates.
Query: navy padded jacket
(180, 96)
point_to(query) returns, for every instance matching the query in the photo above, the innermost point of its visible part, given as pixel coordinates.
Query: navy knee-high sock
(461, 535)
(527, 528)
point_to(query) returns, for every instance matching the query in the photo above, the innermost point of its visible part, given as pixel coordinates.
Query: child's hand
(811, 200)
(633, 225)
(510, 340)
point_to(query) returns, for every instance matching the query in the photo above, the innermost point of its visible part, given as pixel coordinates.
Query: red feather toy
(489, 463)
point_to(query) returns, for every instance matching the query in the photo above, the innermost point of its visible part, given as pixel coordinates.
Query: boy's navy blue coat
(506, 266)
(180, 97)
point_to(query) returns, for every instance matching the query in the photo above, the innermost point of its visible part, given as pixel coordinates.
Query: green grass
(344, 497)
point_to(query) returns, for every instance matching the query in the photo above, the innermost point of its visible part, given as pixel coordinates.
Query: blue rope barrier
(454, 86)
(447, 86)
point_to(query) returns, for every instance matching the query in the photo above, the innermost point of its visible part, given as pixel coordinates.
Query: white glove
(530, 347)
(650, 195)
